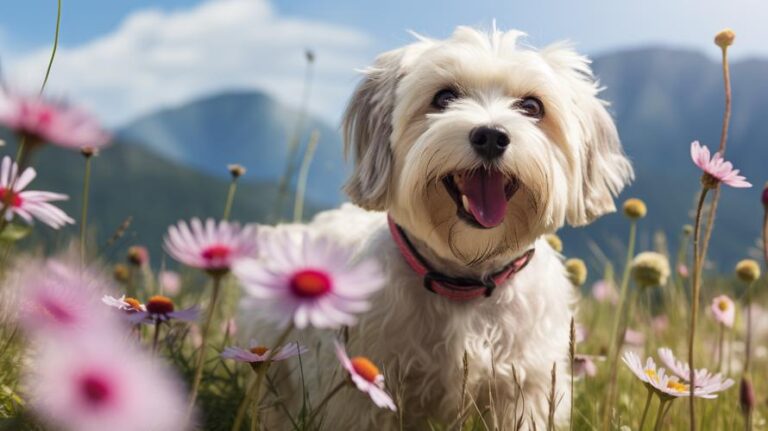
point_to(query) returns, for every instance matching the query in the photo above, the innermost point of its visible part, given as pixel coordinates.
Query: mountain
(248, 128)
(662, 99)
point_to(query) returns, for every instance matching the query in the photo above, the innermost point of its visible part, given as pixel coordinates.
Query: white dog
(467, 151)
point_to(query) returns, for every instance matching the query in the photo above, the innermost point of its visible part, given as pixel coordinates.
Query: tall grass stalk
(230, 199)
(88, 154)
(200, 360)
(301, 183)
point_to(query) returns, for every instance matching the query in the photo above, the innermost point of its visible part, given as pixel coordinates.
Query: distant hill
(249, 128)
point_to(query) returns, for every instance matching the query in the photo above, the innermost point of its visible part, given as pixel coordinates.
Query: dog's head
(477, 145)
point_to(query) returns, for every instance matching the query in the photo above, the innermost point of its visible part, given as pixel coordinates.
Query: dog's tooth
(465, 202)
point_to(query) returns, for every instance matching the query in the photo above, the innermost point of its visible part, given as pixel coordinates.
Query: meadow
(94, 341)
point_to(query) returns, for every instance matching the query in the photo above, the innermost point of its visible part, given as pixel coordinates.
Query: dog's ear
(367, 127)
(601, 164)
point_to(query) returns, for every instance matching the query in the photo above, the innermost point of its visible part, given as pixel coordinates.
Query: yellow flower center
(159, 304)
(259, 350)
(365, 368)
(723, 305)
(133, 303)
(651, 373)
(677, 386)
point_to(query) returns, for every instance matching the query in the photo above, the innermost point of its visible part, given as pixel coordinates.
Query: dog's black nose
(489, 142)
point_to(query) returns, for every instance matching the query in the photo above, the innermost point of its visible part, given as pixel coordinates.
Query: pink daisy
(211, 247)
(723, 310)
(257, 353)
(160, 309)
(584, 365)
(307, 280)
(42, 121)
(170, 282)
(634, 338)
(30, 204)
(98, 381)
(53, 297)
(603, 291)
(702, 377)
(366, 376)
(716, 170)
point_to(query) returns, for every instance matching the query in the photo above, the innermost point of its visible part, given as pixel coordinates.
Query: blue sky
(123, 58)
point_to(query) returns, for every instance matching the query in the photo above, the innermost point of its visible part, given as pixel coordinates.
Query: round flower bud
(138, 255)
(635, 208)
(748, 270)
(236, 170)
(555, 242)
(88, 152)
(650, 269)
(577, 271)
(121, 273)
(725, 38)
(746, 395)
(687, 230)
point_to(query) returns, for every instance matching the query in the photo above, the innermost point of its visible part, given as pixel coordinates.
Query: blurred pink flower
(366, 376)
(716, 168)
(307, 280)
(660, 323)
(723, 310)
(43, 121)
(170, 282)
(195, 336)
(682, 269)
(603, 291)
(55, 298)
(162, 309)
(31, 204)
(212, 247)
(258, 353)
(581, 333)
(702, 377)
(98, 381)
(229, 327)
(583, 365)
(634, 338)
(138, 255)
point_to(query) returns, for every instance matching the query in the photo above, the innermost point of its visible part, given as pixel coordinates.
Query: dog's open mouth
(481, 195)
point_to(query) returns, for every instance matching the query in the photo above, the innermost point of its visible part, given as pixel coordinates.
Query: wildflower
(29, 204)
(724, 38)
(635, 208)
(703, 378)
(123, 303)
(723, 310)
(121, 273)
(236, 170)
(748, 270)
(634, 338)
(687, 230)
(257, 353)
(160, 309)
(716, 170)
(746, 396)
(211, 247)
(170, 282)
(99, 382)
(53, 297)
(656, 379)
(229, 327)
(577, 271)
(308, 281)
(366, 376)
(660, 323)
(682, 270)
(584, 365)
(604, 291)
(650, 269)
(42, 121)
(138, 255)
(555, 242)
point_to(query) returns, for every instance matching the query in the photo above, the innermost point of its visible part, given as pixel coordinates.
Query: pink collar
(454, 288)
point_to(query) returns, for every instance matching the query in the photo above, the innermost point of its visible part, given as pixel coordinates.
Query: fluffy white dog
(467, 151)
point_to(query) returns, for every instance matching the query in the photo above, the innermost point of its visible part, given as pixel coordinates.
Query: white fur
(569, 164)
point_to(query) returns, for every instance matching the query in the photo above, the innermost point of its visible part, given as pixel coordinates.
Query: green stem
(84, 211)
(301, 182)
(325, 401)
(698, 259)
(200, 361)
(748, 359)
(156, 337)
(664, 407)
(262, 371)
(55, 46)
(645, 410)
(720, 348)
(230, 199)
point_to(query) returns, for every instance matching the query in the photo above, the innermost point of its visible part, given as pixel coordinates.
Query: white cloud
(156, 58)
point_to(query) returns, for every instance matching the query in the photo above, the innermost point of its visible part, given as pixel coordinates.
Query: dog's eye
(443, 98)
(531, 107)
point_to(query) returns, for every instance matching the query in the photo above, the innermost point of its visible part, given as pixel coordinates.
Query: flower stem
(664, 407)
(616, 340)
(698, 259)
(84, 211)
(250, 393)
(156, 336)
(200, 361)
(645, 410)
(720, 347)
(748, 354)
(301, 182)
(325, 401)
(262, 371)
(230, 199)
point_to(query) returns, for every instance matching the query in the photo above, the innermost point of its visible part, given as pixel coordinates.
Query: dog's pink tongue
(485, 191)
